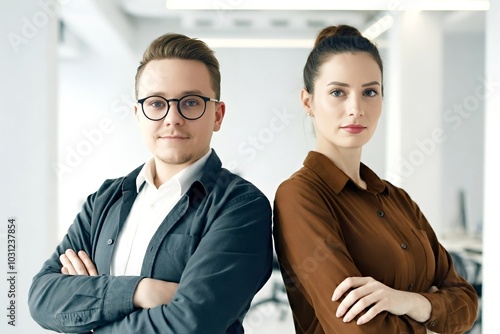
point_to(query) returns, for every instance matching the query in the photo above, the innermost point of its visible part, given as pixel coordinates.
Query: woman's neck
(347, 160)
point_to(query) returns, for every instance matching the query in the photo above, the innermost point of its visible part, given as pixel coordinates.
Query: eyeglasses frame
(204, 98)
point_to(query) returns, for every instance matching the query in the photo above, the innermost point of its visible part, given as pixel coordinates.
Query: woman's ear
(306, 99)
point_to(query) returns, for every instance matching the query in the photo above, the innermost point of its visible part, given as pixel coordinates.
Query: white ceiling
(112, 26)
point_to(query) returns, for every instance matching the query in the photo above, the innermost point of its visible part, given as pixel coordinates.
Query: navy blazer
(216, 243)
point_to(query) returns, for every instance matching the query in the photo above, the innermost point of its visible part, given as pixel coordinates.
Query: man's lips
(173, 136)
(353, 128)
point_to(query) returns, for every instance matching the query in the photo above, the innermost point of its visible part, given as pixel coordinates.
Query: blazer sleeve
(314, 260)
(77, 304)
(231, 263)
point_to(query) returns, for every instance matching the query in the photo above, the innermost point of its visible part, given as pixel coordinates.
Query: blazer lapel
(114, 223)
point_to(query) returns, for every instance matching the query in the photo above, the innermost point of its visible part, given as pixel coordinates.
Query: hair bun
(340, 30)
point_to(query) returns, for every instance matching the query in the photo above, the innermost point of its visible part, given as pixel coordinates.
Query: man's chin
(175, 159)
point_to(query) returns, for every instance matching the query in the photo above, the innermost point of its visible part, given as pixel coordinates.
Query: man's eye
(157, 104)
(191, 103)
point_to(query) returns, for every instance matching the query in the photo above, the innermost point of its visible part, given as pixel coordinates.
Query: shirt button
(110, 241)
(404, 246)
(410, 287)
(380, 213)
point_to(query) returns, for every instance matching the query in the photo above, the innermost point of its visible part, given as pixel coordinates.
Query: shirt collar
(336, 178)
(182, 179)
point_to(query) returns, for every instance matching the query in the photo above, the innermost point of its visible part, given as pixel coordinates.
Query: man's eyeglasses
(190, 107)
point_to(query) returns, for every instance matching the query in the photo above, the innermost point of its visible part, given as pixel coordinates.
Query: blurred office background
(67, 80)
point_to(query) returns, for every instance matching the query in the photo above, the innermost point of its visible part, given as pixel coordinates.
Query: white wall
(98, 138)
(28, 120)
(414, 96)
(491, 231)
(463, 124)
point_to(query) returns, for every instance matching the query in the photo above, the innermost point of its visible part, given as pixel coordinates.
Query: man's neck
(164, 172)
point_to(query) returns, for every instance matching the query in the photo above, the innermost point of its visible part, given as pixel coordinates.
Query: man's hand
(151, 292)
(77, 264)
(369, 293)
(148, 294)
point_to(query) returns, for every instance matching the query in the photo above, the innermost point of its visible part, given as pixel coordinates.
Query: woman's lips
(354, 128)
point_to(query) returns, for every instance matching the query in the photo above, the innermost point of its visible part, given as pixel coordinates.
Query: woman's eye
(370, 92)
(337, 93)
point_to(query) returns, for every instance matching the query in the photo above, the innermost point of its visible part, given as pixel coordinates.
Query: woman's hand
(368, 294)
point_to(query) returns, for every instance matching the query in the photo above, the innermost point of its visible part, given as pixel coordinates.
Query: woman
(356, 253)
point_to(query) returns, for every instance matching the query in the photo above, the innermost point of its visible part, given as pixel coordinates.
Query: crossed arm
(149, 293)
(368, 293)
(69, 295)
(365, 292)
(308, 246)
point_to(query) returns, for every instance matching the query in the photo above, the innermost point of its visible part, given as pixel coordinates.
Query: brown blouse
(326, 229)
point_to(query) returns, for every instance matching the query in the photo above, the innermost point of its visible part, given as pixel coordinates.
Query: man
(180, 245)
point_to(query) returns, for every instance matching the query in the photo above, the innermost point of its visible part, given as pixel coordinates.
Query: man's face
(175, 141)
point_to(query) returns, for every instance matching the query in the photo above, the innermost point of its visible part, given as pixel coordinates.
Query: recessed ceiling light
(389, 5)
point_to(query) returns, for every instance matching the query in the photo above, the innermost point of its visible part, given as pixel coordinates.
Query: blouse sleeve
(455, 305)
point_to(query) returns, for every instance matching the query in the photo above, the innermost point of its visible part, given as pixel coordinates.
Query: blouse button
(404, 246)
(110, 241)
(410, 287)
(380, 213)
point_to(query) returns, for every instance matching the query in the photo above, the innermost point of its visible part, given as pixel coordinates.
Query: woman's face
(347, 101)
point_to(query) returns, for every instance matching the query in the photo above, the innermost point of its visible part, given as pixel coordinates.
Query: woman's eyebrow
(371, 84)
(343, 84)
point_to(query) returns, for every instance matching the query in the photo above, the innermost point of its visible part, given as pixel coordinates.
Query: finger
(360, 288)
(348, 283)
(369, 315)
(76, 262)
(66, 263)
(64, 271)
(433, 289)
(355, 302)
(374, 303)
(89, 265)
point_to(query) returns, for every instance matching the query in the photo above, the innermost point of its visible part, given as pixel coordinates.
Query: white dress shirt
(149, 210)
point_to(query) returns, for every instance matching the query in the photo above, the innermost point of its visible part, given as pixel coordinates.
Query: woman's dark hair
(334, 40)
